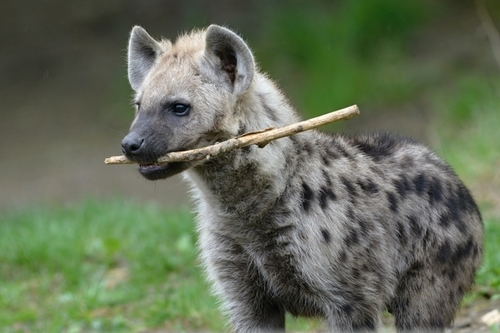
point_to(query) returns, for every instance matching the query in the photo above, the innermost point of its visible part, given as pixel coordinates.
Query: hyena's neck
(252, 179)
(263, 106)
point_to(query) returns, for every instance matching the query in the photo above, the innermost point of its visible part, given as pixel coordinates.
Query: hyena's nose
(132, 144)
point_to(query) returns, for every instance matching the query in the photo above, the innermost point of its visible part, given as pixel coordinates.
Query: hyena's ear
(142, 53)
(233, 59)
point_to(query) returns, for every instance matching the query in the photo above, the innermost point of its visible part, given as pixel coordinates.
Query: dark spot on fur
(401, 232)
(340, 149)
(295, 142)
(326, 235)
(346, 309)
(307, 197)
(419, 182)
(364, 226)
(451, 272)
(368, 186)
(242, 129)
(444, 253)
(352, 238)
(343, 256)
(325, 194)
(415, 226)
(350, 188)
(356, 273)
(378, 146)
(477, 251)
(466, 199)
(357, 298)
(436, 324)
(435, 191)
(393, 201)
(350, 214)
(402, 185)
(331, 154)
(325, 160)
(308, 148)
(368, 324)
(279, 231)
(463, 251)
(414, 269)
(426, 239)
(453, 215)
(444, 220)
(328, 181)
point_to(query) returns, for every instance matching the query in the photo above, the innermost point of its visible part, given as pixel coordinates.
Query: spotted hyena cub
(335, 226)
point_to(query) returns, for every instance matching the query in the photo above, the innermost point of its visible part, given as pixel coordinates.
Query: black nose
(132, 144)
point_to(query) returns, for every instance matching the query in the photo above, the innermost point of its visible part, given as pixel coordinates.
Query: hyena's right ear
(234, 63)
(142, 53)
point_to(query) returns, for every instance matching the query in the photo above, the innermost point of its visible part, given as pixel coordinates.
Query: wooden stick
(260, 138)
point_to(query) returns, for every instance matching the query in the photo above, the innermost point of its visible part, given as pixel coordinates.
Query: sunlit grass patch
(101, 266)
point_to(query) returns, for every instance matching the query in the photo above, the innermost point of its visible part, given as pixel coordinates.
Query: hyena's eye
(180, 109)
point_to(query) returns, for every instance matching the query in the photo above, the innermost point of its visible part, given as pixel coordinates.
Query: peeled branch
(259, 138)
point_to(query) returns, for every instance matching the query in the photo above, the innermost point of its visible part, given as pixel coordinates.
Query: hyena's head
(187, 94)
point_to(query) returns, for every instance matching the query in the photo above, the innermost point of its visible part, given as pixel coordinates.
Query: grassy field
(101, 267)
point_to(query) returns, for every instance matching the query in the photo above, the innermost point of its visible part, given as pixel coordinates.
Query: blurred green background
(86, 247)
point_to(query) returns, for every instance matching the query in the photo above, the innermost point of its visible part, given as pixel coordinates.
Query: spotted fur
(340, 227)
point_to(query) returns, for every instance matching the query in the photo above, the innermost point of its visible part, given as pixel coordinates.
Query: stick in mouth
(259, 138)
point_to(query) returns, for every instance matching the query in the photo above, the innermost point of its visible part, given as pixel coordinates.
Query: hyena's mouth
(155, 172)
(146, 168)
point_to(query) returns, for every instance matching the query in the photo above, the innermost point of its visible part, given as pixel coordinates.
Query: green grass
(101, 267)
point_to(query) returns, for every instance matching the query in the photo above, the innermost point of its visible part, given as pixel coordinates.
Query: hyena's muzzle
(144, 146)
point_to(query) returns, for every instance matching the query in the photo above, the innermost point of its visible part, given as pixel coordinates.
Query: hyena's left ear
(143, 50)
(234, 60)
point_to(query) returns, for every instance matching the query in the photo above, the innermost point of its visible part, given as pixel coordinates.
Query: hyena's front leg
(244, 291)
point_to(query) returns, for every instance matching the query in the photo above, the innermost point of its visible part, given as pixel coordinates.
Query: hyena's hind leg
(427, 301)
